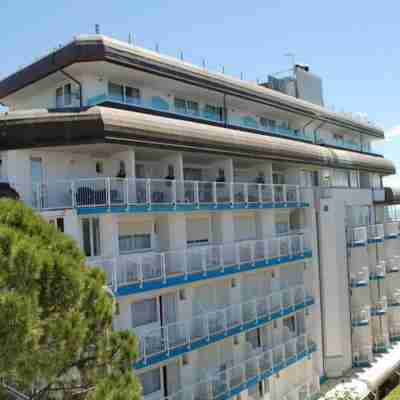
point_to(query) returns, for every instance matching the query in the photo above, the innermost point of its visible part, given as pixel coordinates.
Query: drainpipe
(77, 82)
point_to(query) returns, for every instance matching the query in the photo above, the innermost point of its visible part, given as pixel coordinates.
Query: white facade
(240, 275)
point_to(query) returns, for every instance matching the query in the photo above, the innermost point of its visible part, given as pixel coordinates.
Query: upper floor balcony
(174, 339)
(149, 195)
(235, 377)
(391, 230)
(362, 235)
(134, 273)
(361, 317)
(196, 110)
(379, 307)
(394, 331)
(381, 343)
(362, 355)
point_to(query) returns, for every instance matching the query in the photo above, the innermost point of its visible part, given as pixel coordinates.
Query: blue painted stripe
(361, 364)
(380, 349)
(184, 280)
(359, 284)
(322, 379)
(376, 277)
(377, 313)
(203, 342)
(360, 323)
(371, 241)
(154, 208)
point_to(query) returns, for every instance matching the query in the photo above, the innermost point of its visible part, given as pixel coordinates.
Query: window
(99, 167)
(290, 324)
(267, 123)
(186, 106)
(116, 92)
(130, 243)
(341, 178)
(278, 178)
(64, 95)
(151, 381)
(67, 95)
(144, 312)
(376, 181)
(58, 222)
(213, 112)
(91, 236)
(253, 337)
(132, 95)
(354, 179)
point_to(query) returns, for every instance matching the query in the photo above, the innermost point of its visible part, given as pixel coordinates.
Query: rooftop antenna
(181, 55)
(204, 63)
(157, 48)
(130, 38)
(292, 59)
(97, 29)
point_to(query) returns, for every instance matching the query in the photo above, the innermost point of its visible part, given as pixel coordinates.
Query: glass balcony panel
(253, 192)
(279, 193)
(151, 267)
(239, 192)
(162, 191)
(128, 271)
(267, 194)
(177, 334)
(236, 376)
(223, 192)
(117, 191)
(260, 250)
(137, 192)
(91, 192)
(249, 311)
(291, 193)
(206, 193)
(175, 263)
(245, 252)
(198, 328)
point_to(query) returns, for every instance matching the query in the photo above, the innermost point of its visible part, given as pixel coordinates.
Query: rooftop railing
(227, 321)
(231, 379)
(253, 123)
(141, 269)
(153, 193)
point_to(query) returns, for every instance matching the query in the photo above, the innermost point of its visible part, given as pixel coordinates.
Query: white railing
(361, 316)
(376, 232)
(362, 354)
(359, 235)
(381, 342)
(393, 264)
(109, 192)
(140, 268)
(394, 329)
(394, 299)
(307, 391)
(391, 229)
(380, 305)
(379, 270)
(361, 277)
(230, 376)
(183, 333)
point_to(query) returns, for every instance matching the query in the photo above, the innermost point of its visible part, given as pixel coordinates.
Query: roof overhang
(100, 48)
(42, 128)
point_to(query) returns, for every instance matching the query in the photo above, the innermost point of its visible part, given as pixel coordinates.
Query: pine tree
(56, 337)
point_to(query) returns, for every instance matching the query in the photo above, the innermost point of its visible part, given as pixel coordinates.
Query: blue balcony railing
(158, 104)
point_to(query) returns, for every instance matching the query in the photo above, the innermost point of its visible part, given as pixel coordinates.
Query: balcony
(172, 340)
(358, 236)
(159, 106)
(394, 331)
(376, 233)
(308, 391)
(360, 279)
(378, 272)
(394, 299)
(380, 307)
(361, 317)
(391, 230)
(232, 379)
(135, 273)
(393, 265)
(362, 356)
(381, 343)
(149, 195)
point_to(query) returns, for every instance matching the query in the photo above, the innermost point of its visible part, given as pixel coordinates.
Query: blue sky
(352, 45)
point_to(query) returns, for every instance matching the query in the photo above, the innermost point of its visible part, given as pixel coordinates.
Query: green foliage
(394, 394)
(56, 338)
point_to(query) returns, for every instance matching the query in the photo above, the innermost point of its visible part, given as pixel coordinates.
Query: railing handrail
(255, 300)
(228, 371)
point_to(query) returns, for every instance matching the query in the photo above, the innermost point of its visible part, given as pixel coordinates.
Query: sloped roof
(104, 124)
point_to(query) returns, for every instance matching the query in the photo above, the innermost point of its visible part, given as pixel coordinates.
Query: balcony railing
(252, 123)
(180, 337)
(360, 235)
(153, 194)
(308, 391)
(230, 380)
(393, 264)
(391, 230)
(381, 343)
(144, 271)
(361, 317)
(376, 232)
(362, 355)
(394, 298)
(394, 331)
(361, 278)
(378, 271)
(380, 307)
